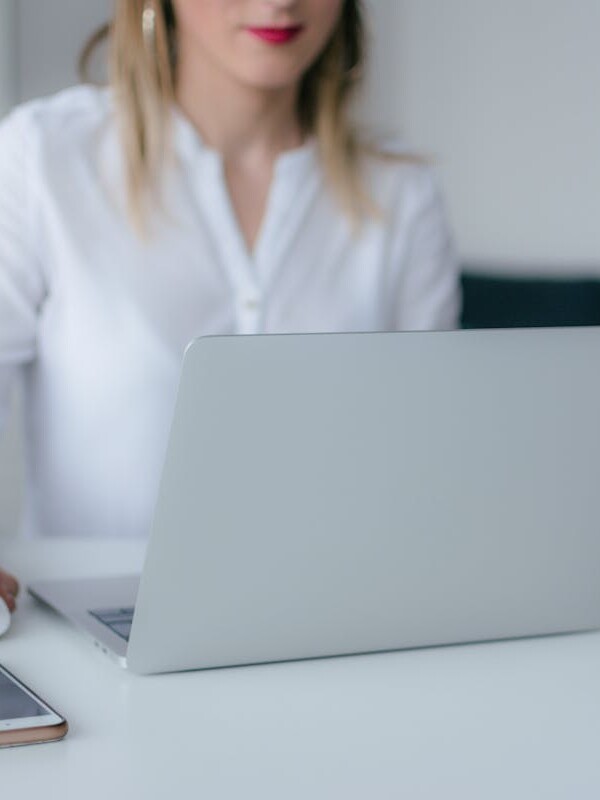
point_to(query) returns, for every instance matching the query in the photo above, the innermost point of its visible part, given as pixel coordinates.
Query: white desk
(507, 720)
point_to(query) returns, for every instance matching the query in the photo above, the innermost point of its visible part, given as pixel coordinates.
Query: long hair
(143, 74)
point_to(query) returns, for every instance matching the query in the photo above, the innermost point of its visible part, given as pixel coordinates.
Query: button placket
(295, 185)
(250, 312)
(230, 246)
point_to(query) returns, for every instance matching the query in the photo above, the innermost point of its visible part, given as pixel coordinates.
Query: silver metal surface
(75, 598)
(348, 493)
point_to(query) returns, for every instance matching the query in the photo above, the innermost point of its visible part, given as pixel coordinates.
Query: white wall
(505, 96)
(10, 464)
(8, 56)
(50, 36)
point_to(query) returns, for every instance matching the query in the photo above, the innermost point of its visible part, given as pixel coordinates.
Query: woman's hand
(9, 588)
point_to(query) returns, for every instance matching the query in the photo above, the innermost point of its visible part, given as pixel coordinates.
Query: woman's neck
(237, 120)
(249, 127)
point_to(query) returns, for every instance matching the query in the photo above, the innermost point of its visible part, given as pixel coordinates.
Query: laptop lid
(345, 493)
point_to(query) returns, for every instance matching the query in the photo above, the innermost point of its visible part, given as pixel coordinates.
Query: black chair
(510, 301)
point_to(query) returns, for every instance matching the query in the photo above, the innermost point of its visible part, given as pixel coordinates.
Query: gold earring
(149, 24)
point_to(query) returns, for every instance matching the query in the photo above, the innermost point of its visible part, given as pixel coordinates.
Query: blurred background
(501, 96)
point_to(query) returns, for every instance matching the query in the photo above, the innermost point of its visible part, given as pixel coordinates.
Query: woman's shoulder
(61, 117)
(397, 173)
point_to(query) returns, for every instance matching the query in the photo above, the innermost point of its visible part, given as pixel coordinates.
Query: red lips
(276, 35)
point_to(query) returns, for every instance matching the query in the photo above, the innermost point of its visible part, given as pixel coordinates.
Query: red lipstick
(276, 35)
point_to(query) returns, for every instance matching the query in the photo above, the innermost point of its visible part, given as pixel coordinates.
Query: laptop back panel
(331, 494)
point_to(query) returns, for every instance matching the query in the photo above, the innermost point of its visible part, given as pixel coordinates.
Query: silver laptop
(348, 493)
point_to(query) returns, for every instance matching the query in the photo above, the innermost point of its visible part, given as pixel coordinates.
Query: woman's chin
(268, 79)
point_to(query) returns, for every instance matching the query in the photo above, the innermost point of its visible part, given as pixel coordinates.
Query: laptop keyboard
(117, 619)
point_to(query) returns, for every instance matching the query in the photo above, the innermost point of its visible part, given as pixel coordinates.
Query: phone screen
(16, 703)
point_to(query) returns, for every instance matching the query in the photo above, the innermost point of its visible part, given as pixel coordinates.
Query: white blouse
(95, 320)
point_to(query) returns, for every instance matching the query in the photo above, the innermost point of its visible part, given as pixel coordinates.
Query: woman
(216, 187)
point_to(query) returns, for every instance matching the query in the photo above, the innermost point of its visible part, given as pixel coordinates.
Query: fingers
(9, 588)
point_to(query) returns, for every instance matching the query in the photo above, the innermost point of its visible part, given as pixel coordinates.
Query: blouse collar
(190, 145)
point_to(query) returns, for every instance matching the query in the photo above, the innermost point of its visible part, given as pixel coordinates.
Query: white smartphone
(24, 717)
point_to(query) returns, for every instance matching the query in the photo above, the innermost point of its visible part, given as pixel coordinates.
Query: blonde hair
(143, 73)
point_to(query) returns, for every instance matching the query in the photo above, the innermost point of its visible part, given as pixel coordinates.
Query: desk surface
(503, 720)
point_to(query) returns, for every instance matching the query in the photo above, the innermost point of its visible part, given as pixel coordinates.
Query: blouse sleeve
(429, 296)
(22, 287)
